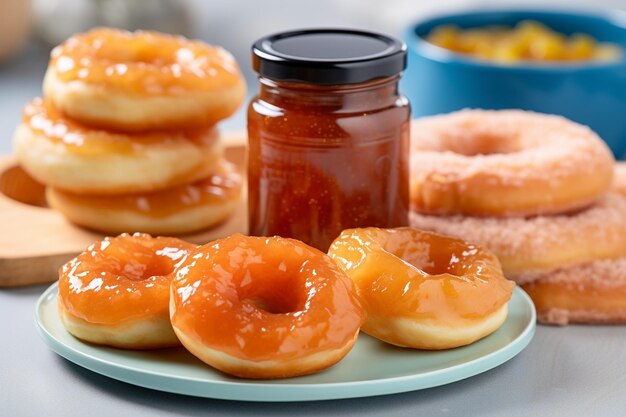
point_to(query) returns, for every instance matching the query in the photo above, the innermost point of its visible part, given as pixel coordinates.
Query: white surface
(235, 24)
(572, 371)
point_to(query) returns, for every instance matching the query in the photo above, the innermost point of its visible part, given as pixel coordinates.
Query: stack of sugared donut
(536, 190)
(125, 136)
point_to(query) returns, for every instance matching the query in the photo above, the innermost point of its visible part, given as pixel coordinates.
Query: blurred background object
(591, 92)
(233, 24)
(15, 18)
(395, 15)
(56, 20)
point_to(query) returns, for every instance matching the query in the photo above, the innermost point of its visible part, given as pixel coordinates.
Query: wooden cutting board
(35, 240)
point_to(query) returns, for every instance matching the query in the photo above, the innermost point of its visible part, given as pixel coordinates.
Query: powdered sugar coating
(504, 150)
(586, 287)
(542, 242)
(561, 317)
(511, 144)
(619, 178)
(603, 273)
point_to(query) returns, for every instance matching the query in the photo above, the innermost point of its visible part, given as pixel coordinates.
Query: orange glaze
(44, 119)
(222, 186)
(121, 278)
(144, 62)
(326, 158)
(259, 298)
(421, 275)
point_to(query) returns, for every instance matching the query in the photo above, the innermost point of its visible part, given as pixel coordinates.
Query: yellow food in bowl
(527, 41)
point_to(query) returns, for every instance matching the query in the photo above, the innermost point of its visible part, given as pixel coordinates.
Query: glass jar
(328, 136)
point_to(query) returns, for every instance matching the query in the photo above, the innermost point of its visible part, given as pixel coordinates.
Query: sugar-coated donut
(619, 178)
(261, 307)
(594, 292)
(117, 292)
(178, 210)
(62, 153)
(423, 290)
(137, 81)
(542, 243)
(505, 163)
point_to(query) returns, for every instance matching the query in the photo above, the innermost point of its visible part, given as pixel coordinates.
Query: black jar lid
(328, 56)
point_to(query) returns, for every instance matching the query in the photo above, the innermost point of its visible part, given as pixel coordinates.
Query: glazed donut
(174, 211)
(142, 81)
(259, 307)
(589, 293)
(505, 163)
(116, 293)
(619, 178)
(62, 153)
(422, 290)
(542, 243)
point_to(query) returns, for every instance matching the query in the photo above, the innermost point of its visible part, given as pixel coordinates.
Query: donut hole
(433, 262)
(139, 270)
(469, 142)
(433, 255)
(278, 293)
(123, 48)
(120, 49)
(137, 262)
(158, 266)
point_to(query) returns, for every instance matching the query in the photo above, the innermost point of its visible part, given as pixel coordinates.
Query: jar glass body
(322, 159)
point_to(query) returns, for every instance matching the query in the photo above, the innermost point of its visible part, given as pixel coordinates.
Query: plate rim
(264, 391)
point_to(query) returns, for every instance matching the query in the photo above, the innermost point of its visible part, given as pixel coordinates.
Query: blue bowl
(592, 93)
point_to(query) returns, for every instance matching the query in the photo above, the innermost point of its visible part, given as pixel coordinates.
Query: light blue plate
(371, 368)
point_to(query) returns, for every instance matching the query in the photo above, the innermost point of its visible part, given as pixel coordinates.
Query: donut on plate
(137, 81)
(423, 290)
(259, 307)
(65, 154)
(116, 292)
(174, 211)
(541, 243)
(505, 163)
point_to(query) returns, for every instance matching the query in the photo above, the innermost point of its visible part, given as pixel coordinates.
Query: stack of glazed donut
(537, 190)
(125, 137)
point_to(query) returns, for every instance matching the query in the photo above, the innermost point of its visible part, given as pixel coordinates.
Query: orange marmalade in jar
(328, 135)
